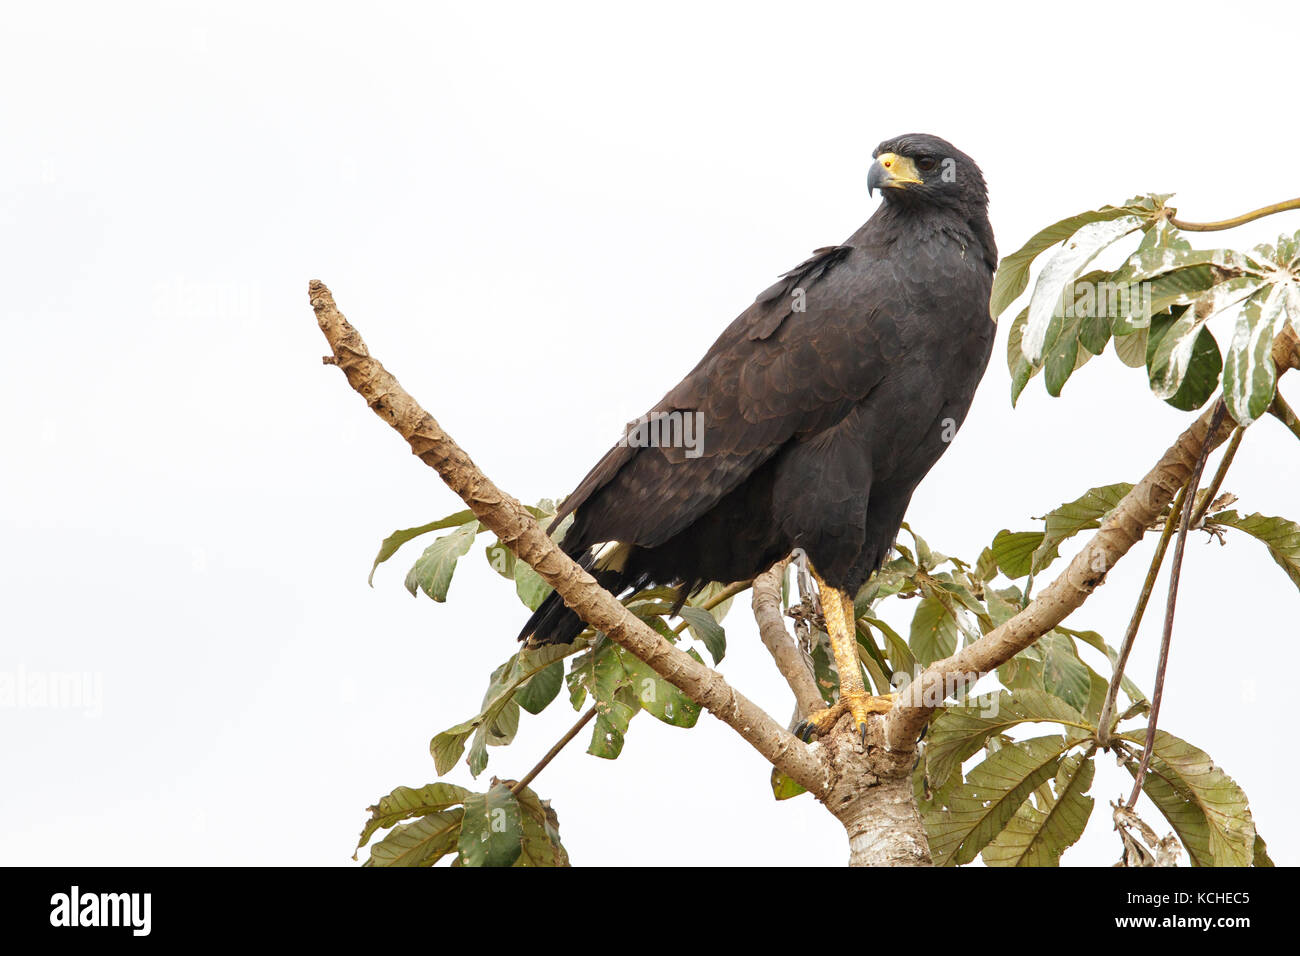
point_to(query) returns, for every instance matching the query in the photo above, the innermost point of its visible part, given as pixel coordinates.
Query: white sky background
(539, 218)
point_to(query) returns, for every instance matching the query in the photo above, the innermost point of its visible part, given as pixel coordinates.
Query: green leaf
(979, 809)
(1183, 360)
(961, 730)
(1022, 370)
(1013, 271)
(1093, 639)
(934, 632)
(1171, 340)
(500, 709)
(541, 841)
(404, 803)
(492, 832)
(658, 697)
(1064, 674)
(1132, 349)
(901, 658)
(395, 540)
(1038, 835)
(1061, 349)
(530, 587)
(1061, 270)
(1280, 536)
(432, 572)
(1083, 513)
(501, 559)
(422, 843)
(783, 788)
(1181, 287)
(1206, 808)
(447, 746)
(704, 627)
(1261, 857)
(537, 693)
(1094, 333)
(1014, 551)
(1249, 376)
(611, 727)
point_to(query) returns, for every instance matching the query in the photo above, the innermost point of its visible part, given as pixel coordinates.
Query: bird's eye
(925, 164)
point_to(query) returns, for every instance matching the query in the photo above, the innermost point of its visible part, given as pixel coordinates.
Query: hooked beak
(891, 171)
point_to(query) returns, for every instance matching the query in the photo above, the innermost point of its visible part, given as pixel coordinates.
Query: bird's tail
(553, 622)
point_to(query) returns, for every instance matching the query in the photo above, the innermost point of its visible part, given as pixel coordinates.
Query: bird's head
(918, 169)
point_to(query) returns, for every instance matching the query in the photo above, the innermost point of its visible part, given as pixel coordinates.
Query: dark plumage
(818, 423)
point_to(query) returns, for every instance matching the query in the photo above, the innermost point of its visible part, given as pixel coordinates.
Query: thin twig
(551, 754)
(1216, 482)
(1174, 574)
(1236, 220)
(1157, 559)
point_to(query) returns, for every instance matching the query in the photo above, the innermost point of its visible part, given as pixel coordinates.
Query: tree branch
(790, 660)
(518, 531)
(1124, 528)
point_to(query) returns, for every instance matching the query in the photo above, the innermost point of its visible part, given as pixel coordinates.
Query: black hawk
(819, 410)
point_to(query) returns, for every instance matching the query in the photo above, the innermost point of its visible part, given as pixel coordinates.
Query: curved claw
(860, 706)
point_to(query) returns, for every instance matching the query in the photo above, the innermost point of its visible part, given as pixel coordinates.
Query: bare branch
(790, 660)
(519, 532)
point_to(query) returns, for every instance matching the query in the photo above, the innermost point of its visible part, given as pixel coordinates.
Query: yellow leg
(841, 627)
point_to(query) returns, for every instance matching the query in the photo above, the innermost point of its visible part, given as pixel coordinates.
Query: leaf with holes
(405, 802)
(492, 831)
(421, 843)
(1203, 804)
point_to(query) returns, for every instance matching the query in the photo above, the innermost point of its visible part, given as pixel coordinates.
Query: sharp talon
(863, 728)
(803, 731)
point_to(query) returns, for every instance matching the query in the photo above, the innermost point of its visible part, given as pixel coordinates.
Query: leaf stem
(551, 754)
(1236, 220)
(730, 591)
(1282, 411)
(1157, 559)
(1189, 499)
(1217, 481)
